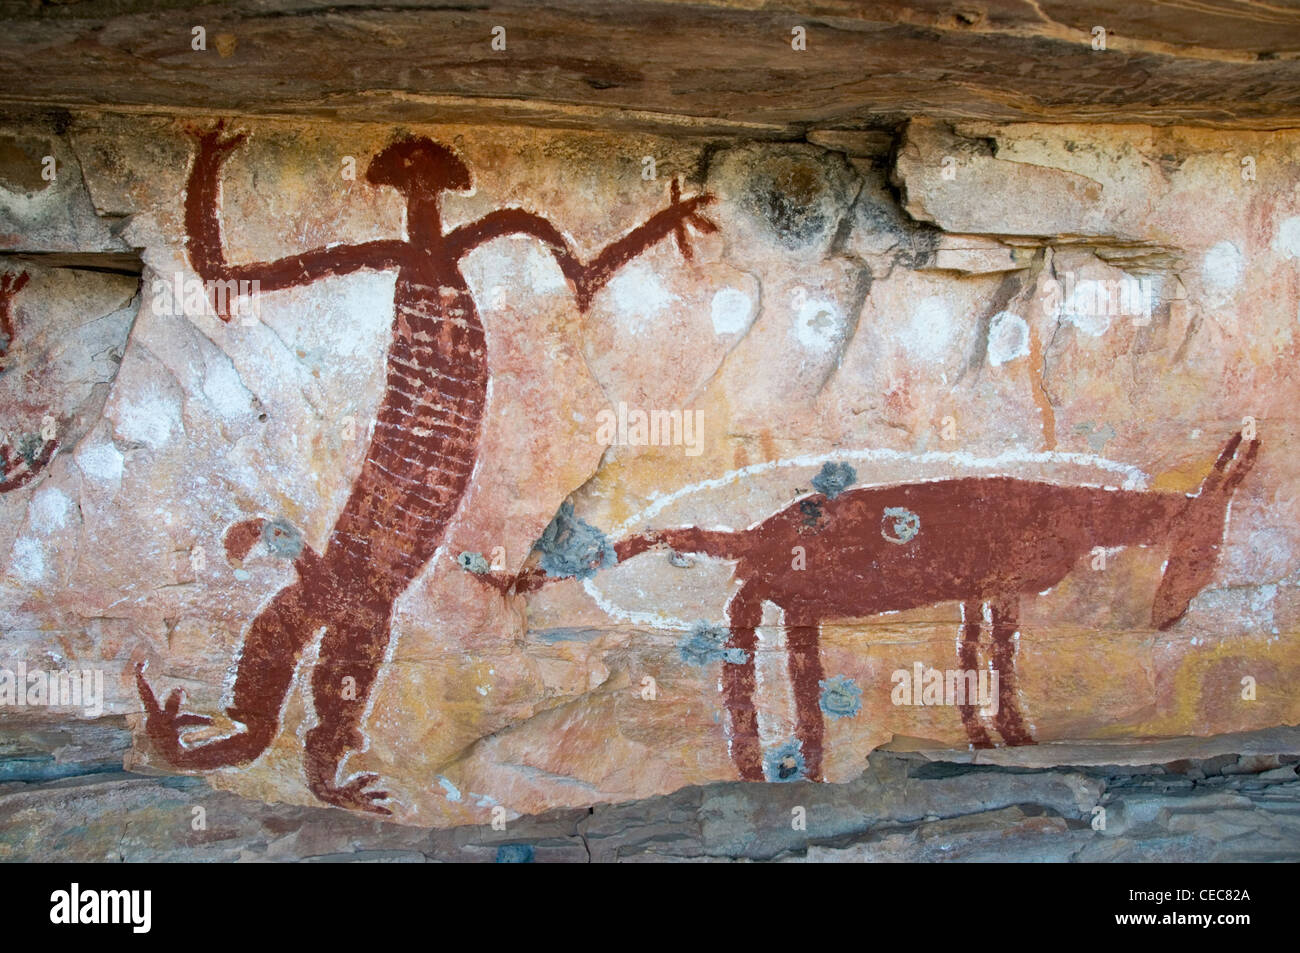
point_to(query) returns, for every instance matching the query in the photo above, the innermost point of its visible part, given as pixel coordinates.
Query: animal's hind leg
(351, 653)
(1010, 724)
(804, 654)
(968, 657)
(744, 614)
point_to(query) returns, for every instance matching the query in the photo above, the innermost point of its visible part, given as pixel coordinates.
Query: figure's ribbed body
(425, 440)
(417, 466)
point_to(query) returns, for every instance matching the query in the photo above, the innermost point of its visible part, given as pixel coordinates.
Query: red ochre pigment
(416, 468)
(976, 541)
(16, 467)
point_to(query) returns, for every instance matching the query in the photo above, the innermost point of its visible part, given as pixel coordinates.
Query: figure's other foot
(353, 795)
(1012, 727)
(976, 733)
(325, 753)
(164, 723)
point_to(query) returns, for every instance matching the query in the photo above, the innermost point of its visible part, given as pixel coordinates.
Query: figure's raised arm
(590, 277)
(204, 242)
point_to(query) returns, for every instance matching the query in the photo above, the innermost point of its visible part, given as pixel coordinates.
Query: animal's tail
(720, 544)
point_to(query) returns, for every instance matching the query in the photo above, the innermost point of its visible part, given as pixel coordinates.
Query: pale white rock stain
(102, 462)
(1008, 338)
(28, 563)
(150, 420)
(638, 296)
(225, 391)
(1221, 271)
(731, 310)
(1287, 240)
(48, 510)
(819, 324)
(930, 333)
(1088, 307)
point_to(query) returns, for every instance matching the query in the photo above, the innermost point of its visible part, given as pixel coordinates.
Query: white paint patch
(29, 560)
(453, 793)
(1088, 307)
(102, 462)
(1221, 271)
(638, 296)
(544, 275)
(732, 311)
(931, 332)
(1287, 240)
(1008, 338)
(225, 391)
(151, 420)
(819, 324)
(48, 510)
(360, 314)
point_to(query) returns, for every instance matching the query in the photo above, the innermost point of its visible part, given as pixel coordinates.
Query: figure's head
(415, 163)
(1195, 541)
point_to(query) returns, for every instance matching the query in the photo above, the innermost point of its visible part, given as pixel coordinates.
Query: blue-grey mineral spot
(834, 479)
(841, 697)
(515, 854)
(282, 538)
(571, 547)
(706, 643)
(786, 763)
(899, 524)
(473, 562)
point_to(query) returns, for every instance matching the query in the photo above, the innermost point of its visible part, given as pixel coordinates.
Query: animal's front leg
(804, 654)
(351, 653)
(969, 659)
(1010, 724)
(744, 614)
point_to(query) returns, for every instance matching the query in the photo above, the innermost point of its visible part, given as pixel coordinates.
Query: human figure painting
(417, 466)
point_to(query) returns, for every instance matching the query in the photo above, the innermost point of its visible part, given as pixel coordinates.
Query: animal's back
(877, 549)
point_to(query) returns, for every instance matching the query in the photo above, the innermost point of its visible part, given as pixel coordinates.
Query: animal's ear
(1231, 467)
(1240, 467)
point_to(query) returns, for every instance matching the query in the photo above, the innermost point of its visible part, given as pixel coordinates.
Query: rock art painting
(22, 461)
(417, 468)
(563, 467)
(846, 552)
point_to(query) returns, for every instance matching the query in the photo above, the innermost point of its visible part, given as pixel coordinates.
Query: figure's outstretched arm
(590, 277)
(204, 243)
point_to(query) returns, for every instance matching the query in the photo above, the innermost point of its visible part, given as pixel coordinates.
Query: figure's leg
(1010, 724)
(804, 657)
(968, 657)
(351, 654)
(266, 665)
(744, 615)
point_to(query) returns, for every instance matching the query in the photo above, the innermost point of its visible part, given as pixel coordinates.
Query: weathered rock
(1090, 311)
(733, 65)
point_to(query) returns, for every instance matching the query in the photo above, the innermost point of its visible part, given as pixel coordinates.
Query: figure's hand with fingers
(687, 214)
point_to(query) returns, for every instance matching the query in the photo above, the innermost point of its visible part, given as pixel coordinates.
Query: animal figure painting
(417, 466)
(981, 542)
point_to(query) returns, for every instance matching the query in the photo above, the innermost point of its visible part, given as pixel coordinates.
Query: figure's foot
(164, 723)
(353, 795)
(1012, 728)
(976, 733)
(326, 751)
